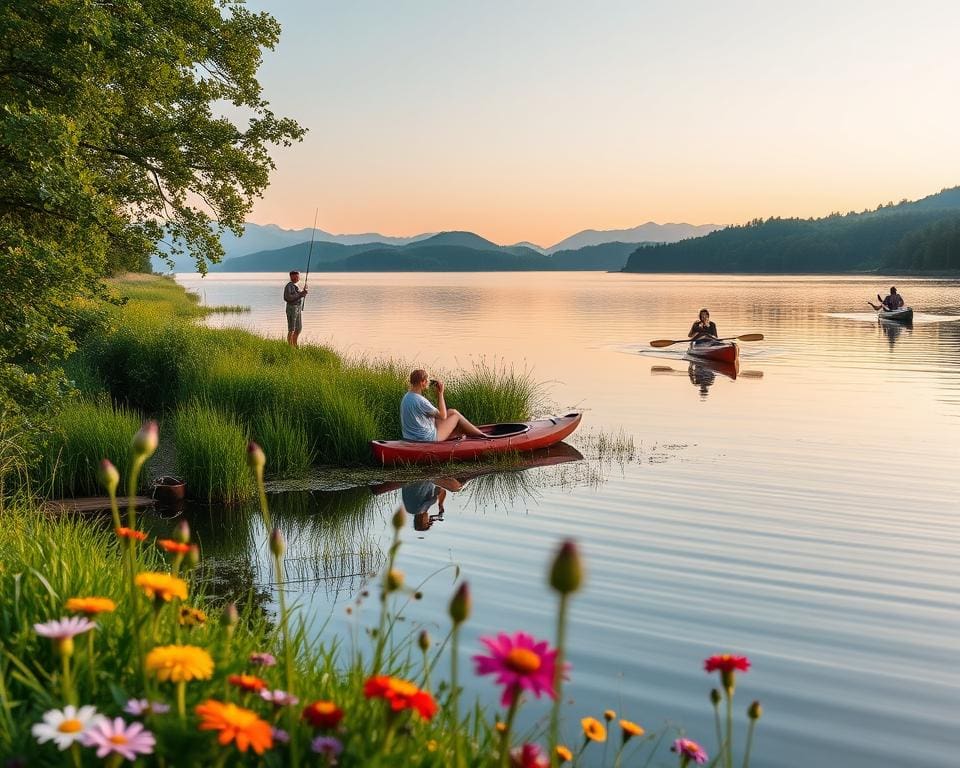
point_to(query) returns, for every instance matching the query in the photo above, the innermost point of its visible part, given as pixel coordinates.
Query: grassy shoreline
(148, 356)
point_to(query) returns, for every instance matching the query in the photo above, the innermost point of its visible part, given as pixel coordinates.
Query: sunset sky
(534, 120)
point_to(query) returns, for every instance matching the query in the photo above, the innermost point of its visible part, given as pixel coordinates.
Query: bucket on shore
(168, 489)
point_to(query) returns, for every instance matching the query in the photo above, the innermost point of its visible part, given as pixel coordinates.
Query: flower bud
(193, 556)
(399, 518)
(230, 617)
(715, 697)
(609, 714)
(755, 711)
(145, 441)
(566, 574)
(394, 579)
(278, 544)
(108, 476)
(256, 458)
(424, 641)
(182, 532)
(460, 604)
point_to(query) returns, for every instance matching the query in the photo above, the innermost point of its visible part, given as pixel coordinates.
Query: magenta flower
(528, 756)
(689, 750)
(64, 629)
(326, 745)
(279, 698)
(138, 707)
(520, 663)
(263, 659)
(118, 738)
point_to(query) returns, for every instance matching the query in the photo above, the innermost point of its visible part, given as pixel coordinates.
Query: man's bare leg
(456, 424)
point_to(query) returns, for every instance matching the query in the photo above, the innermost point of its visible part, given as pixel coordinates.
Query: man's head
(418, 377)
(893, 290)
(295, 275)
(704, 315)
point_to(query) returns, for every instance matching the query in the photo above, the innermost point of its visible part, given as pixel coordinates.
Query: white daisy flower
(66, 726)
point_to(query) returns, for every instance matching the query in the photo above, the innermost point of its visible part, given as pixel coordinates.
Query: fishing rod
(313, 234)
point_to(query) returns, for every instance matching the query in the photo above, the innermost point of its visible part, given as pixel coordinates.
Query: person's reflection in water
(893, 329)
(703, 377)
(420, 496)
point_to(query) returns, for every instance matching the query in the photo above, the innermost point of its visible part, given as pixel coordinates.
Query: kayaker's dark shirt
(893, 301)
(710, 330)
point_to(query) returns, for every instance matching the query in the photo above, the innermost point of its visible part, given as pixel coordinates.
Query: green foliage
(489, 393)
(211, 454)
(108, 142)
(893, 236)
(933, 248)
(83, 433)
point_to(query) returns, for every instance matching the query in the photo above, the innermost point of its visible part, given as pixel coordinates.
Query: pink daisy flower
(263, 659)
(64, 629)
(279, 698)
(118, 738)
(689, 750)
(520, 663)
(138, 707)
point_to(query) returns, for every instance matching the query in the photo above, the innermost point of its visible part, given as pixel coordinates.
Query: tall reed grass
(210, 454)
(82, 433)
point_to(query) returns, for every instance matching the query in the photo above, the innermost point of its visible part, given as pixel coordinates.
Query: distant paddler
(293, 296)
(890, 302)
(704, 329)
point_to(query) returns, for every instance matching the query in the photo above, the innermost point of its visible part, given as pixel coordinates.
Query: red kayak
(504, 438)
(719, 351)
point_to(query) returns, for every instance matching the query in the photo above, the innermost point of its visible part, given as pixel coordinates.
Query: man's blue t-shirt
(416, 418)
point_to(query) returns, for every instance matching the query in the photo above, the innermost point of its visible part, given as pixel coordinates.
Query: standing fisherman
(294, 298)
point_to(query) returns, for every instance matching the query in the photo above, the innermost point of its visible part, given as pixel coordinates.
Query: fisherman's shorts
(294, 318)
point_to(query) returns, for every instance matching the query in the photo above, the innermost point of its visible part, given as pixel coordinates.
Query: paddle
(877, 308)
(666, 369)
(657, 343)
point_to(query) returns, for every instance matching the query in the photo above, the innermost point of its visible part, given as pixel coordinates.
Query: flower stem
(66, 682)
(716, 722)
(182, 699)
(746, 754)
(558, 680)
(505, 739)
(729, 751)
(287, 653)
(384, 602)
(455, 695)
(90, 659)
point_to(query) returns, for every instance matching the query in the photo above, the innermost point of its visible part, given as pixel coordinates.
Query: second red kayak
(721, 351)
(504, 438)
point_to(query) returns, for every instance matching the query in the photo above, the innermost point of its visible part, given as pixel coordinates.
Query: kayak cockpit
(506, 430)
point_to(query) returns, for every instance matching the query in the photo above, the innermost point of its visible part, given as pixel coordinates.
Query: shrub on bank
(209, 450)
(112, 652)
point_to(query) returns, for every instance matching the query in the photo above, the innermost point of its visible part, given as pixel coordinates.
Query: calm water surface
(804, 513)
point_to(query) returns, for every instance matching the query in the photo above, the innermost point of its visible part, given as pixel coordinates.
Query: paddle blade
(751, 337)
(663, 343)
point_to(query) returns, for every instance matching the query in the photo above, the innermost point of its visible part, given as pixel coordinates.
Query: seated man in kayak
(423, 422)
(704, 329)
(894, 300)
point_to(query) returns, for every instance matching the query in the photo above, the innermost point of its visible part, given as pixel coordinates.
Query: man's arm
(441, 403)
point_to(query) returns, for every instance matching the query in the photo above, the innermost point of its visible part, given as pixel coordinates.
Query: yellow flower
(91, 605)
(161, 586)
(432, 745)
(180, 663)
(564, 755)
(501, 727)
(629, 729)
(609, 714)
(191, 617)
(593, 729)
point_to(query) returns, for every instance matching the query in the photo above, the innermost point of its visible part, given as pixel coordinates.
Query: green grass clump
(211, 454)
(490, 392)
(85, 432)
(283, 437)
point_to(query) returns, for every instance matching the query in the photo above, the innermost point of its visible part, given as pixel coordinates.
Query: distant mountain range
(444, 252)
(922, 235)
(260, 240)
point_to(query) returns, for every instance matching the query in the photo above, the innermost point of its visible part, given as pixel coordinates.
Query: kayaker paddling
(704, 329)
(421, 421)
(891, 302)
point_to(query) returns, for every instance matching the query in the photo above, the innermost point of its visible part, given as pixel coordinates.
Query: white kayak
(904, 314)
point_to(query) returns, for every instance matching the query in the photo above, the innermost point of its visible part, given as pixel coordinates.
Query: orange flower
(248, 683)
(236, 724)
(131, 533)
(323, 714)
(91, 605)
(564, 755)
(161, 586)
(169, 545)
(401, 695)
(629, 729)
(593, 729)
(191, 617)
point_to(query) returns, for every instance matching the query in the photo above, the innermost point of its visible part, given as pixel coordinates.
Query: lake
(803, 513)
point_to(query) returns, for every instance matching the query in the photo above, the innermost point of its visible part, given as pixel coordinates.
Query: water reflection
(703, 374)
(893, 328)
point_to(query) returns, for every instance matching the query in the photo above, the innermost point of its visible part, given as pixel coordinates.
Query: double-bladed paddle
(657, 343)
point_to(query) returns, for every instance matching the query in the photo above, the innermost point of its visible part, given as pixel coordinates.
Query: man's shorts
(294, 318)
